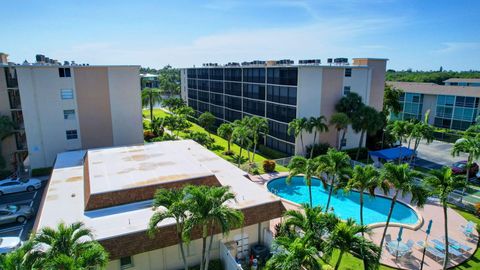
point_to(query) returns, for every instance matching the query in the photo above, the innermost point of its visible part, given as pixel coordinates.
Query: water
(345, 205)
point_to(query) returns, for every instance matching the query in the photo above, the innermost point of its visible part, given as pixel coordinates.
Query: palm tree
(296, 127)
(391, 100)
(471, 146)
(7, 128)
(350, 104)
(332, 169)
(67, 247)
(340, 121)
(150, 97)
(173, 204)
(16, 260)
(367, 120)
(422, 131)
(307, 167)
(209, 210)
(241, 136)
(316, 124)
(294, 253)
(206, 120)
(443, 182)
(225, 131)
(401, 179)
(345, 237)
(259, 126)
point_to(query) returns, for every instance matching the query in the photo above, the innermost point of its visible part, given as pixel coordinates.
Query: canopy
(393, 153)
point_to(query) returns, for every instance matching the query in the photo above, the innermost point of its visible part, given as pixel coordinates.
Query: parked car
(17, 185)
(15, 213)
(8, 244)
(460, 167)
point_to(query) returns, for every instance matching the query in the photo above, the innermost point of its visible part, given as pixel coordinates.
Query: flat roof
(63, 199)
(436, 89)
(67, 66)
(284, 66)
(463, 80)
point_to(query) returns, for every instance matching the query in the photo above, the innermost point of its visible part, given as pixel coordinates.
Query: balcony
(14, 98)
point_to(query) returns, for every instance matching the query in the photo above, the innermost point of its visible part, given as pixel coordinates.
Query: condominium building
(281, 91)
(67, 107)
(110, 190)
(454, 105)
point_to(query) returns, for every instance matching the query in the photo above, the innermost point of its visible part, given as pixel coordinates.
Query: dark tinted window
(279, 130)
(202, 85)
(216, 86)
(233, 103)
(348, 72)
(202, 73)
(192, 93)
(254, 107)
(202, 107)
(216, 99)
(192, 103)
(216, 74)
(254, 75)
(203, 96)
(232, 115)
(282, 94)
(217, 111)
(281, 113)
(280, 146)
(191, 73)
(192, 83)
(254, 91)
(233, 74)
(285, 76)
(234, 89)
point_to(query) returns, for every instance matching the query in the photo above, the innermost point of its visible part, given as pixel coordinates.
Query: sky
(416, 34)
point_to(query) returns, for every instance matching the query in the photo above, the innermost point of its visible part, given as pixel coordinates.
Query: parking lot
(32, 199)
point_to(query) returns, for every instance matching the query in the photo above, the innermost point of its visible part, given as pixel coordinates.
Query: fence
(227, 259)
(283, 161)
(447, 136)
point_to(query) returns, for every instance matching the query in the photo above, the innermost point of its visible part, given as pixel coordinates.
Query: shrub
(148, 135)
(353, 152)
(269, 165)
(41, 171)
(477, 209)
(164, 137)
(4, 174)
(318, 149)
(201, 138)
(271, 153)
(213, 265)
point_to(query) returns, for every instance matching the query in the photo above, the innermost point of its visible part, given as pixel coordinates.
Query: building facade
(454, 105)
(71, 107)
(283, 92)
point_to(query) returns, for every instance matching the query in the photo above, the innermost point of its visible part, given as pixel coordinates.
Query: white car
(8, 244)
(17, 185)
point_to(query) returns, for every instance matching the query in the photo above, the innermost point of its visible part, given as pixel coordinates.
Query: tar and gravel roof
(436, 89)
(64, 197)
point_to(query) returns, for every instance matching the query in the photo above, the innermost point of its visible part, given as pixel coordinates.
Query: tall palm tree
(471, 146)
(366, 121)
(171, 203)
(401, 179)
(307, 167)
(391, 100)
(241, 136)
(67, 247)
(345, 237)
(294, 253)
(340, 121)
(443, 182)
(150, 97)
(316, 124)
(209, 210)
(225, 131)
(16, 260)
(259, 127)
(332, 169)
(296, 127)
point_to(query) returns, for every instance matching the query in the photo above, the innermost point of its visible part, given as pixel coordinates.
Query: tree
(401, 179)
(345, 237)
(294, 253)
(176, 124)
(471, 146)
(307, 167)
(259, 127)
(209, 210)
(157, 126)
(391, 100)
(206, 120)
(241, 135)
(296, 127)
(225, 131)
(443, 182)
(201, 138)
(169, 79)
(16, 260)
(350, 104)
(67, 247)
(173, 103)
(332, 170)
(340, 121)
(171, 203)
(187, 112)
(316, 124)
(151, 97)
(421, 131)
(399, 129)
(367, 120)
(7, 128)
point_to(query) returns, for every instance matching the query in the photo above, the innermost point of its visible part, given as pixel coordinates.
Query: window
(280, 131)
(126, 262)
(282, 94)
(232, 115)
(348, 72)
(216, 99)
(192, 83)
(254, 75)
(343, 142)
(203, 96)
(66, 93)
(346, 90)
(254, 91)
(280, 146)
(216, 87)
(234, 89)
(72, 134)
(281, 113)
(233, 74)
(216, 111)
(69, 114)
(202, 73)
(216, 74)
(286, 76)
(233, 103)
(254, 107)
(64, 72)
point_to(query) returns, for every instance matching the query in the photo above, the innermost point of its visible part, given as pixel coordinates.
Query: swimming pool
(345, 205)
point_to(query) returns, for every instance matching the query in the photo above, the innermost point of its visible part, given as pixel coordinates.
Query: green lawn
(221, 145)
(474, 262)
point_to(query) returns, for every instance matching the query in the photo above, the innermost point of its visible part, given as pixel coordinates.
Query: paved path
(431, 211)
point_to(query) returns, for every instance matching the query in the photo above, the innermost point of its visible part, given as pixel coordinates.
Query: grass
(221, 146)
(350, 262)
(474, 261)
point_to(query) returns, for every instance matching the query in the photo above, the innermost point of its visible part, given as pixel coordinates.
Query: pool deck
(431, 211)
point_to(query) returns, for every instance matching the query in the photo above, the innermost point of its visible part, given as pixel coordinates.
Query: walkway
(431, 211)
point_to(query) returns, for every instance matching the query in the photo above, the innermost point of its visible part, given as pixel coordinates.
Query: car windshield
(459, 165)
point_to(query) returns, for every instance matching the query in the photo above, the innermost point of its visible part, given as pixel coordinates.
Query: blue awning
(393, 153)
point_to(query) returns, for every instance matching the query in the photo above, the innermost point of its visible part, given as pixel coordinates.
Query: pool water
(344, 205)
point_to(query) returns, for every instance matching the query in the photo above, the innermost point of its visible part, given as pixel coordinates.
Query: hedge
(41, 171)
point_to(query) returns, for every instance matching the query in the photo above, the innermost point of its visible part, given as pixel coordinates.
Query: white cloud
(454, 47)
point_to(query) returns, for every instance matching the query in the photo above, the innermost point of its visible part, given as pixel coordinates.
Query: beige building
(281, 91)
(72, 107)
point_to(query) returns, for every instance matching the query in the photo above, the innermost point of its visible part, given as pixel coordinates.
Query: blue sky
(413, 34)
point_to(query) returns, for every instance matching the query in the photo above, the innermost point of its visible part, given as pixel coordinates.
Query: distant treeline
(429, 76)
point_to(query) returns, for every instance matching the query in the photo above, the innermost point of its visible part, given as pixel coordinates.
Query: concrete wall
(170, 257)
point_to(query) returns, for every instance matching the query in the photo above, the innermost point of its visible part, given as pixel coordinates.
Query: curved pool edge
(413, 227)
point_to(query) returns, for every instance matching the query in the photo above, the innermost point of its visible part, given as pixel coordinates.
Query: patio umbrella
(429, 228)
(399, 239)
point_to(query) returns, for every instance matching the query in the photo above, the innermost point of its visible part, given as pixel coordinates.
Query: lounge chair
(468, 229)
(461, 246)
(436, 254)
(441, 247)
(410, 245)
